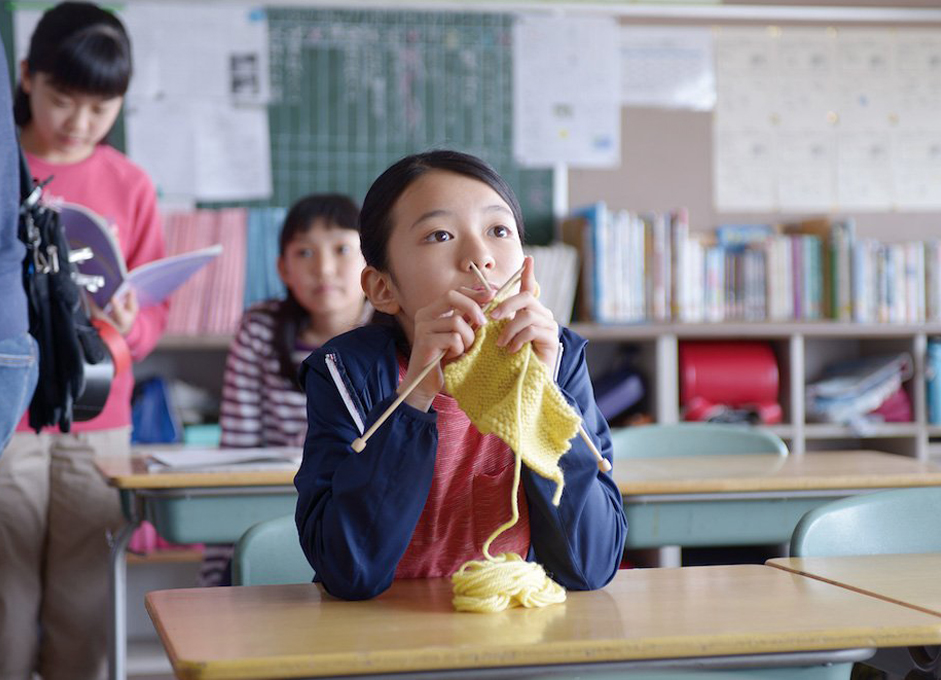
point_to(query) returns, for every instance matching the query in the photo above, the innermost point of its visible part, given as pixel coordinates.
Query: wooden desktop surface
(912, 580)
(634, 476)
(820, 470)
(132, 473)
(298, 630)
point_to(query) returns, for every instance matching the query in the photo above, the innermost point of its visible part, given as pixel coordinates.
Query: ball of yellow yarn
(506, 580)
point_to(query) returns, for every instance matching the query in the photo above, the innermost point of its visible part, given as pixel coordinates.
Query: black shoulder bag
(75, 365)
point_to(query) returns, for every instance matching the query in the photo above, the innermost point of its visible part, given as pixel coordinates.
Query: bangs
(96, 61)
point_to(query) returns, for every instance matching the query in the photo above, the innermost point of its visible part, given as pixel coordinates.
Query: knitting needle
(603, 463)
(360, 442)
(480, 277)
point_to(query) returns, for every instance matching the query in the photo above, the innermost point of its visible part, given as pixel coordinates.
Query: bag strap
(26, 175)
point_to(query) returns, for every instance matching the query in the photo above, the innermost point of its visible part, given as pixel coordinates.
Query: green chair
(884, 522)
(666, 524)
(691, 439)
(269, 553)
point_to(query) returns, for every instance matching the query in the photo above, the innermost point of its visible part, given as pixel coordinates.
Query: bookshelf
(801, 349)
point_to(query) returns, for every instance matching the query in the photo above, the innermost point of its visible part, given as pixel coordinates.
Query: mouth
(478, 288)
(71, 141)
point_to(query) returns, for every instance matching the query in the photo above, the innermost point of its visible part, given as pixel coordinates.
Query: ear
(282, 270)
(379, 290)
(25, 81)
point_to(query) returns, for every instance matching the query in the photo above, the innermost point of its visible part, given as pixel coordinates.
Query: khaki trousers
(56, 514)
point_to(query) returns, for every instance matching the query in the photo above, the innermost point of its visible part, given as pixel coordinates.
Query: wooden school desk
(748, 499)
(695, 617)
(185, 507)
(909, 580)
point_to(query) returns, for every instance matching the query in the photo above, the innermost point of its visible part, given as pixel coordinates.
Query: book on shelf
(557, 271)
(651, 267)
(211, 302)
(152, 282)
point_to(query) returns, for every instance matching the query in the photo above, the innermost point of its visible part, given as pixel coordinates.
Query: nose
(322, 262)
(79, 119)
(476, 252)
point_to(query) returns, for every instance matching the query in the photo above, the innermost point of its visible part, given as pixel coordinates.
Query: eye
(344, 249)
(439, 236)
(303, 252)
(500, 231)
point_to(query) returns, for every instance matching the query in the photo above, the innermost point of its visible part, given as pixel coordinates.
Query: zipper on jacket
(333, 365)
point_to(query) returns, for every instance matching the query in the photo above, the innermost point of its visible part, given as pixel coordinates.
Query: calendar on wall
(827, 119)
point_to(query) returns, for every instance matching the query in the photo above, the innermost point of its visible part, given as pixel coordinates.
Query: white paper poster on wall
(566, 92)
(667, 67)
(196, 112)
(199, 51)
(850, 118)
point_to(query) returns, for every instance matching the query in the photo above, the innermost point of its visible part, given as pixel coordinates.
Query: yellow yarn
(514, 397)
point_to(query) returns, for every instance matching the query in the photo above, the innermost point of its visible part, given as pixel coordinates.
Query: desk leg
(117, 644)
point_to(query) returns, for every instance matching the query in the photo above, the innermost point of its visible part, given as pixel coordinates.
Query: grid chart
(355, 90)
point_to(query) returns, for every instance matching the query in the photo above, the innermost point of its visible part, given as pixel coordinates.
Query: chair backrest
(883, 522)
(269, 553)
(692, 439)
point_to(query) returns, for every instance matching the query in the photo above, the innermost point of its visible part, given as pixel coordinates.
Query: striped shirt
(468, 500)
(260, 407)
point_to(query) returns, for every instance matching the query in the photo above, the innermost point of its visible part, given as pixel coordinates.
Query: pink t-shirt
(108, 183)
(468, 500)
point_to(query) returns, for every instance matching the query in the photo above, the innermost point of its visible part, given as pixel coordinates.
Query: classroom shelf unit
(802, 350)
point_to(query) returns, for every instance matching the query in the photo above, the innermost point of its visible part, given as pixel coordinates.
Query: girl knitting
(428, 490)
(56, 511)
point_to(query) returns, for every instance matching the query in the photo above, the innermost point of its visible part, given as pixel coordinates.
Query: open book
(152, 282)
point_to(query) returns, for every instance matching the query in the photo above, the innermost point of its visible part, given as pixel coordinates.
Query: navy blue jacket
(356, 512)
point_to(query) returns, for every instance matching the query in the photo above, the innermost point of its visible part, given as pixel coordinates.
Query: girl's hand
(530, 321)
(446, 325)
(122, 312)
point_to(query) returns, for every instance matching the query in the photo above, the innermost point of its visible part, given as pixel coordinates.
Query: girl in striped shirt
(320, 263)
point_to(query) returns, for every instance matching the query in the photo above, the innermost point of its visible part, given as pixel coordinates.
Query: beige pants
(56, 513)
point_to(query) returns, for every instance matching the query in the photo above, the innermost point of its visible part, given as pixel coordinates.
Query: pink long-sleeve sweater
(108, 183)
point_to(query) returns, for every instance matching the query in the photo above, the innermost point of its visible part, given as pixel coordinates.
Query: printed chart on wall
(827, 119)
(353, 91)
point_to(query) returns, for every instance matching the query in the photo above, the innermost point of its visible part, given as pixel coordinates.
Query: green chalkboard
(355, 90)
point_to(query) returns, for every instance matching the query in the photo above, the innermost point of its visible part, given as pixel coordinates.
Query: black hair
(332, 210)
(375, 218)
(81, 48)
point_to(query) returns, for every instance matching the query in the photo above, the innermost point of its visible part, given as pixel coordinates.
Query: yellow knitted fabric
(514, 397)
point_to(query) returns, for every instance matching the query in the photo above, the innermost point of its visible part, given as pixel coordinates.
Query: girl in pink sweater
(56, 512)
